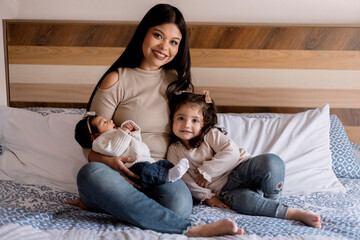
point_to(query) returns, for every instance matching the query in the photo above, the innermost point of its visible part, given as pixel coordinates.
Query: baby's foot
(178, 170)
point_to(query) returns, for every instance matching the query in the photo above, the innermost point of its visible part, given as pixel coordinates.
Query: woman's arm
(105, 104)
(109, 80)
(107, 97)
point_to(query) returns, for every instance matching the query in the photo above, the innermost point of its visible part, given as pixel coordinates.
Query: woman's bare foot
(306, 216)
(77, 203)
(219, 228)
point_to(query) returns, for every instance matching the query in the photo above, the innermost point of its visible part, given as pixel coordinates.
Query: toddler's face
(188, 122)
(102, 124)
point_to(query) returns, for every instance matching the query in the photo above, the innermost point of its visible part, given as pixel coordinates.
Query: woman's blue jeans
(165, 210)
(255, 186)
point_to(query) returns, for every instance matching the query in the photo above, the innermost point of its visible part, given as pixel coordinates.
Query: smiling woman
(160, 46)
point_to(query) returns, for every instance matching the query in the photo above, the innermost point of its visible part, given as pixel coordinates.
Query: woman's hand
(116, 163)
(200, 180)
(119, 165)
(215, 202)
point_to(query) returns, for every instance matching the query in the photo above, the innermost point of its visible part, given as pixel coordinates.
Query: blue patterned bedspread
(41, 209)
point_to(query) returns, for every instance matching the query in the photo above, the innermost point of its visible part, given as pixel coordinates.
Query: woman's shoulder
(110, 80)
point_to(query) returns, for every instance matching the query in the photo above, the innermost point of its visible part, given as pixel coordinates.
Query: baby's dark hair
(208, 112)
(82, 134)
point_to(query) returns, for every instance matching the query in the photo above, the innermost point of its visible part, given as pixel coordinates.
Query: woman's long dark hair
(132, 56)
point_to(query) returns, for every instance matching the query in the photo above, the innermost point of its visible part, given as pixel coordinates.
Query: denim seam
(163, 174)
(281, 211)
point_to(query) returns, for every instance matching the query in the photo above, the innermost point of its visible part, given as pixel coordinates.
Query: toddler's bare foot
(219, 228)
(306, 216)
(77, 203)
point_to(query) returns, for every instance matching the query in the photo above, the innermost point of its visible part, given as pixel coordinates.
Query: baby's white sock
(178, 170)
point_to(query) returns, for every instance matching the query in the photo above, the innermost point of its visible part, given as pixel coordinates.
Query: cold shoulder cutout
(138, 95)
(109, 80)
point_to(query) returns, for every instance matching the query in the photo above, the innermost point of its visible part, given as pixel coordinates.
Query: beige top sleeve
(215, 158)
(140, 96)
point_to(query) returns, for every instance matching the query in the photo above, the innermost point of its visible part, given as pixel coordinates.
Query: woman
(155, 64)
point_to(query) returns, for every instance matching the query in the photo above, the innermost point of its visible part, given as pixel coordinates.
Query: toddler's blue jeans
(255, 186)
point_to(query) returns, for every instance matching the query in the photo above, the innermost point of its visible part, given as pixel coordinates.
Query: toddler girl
(221, 174)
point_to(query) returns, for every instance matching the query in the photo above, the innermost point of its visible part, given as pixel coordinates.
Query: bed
(287, 89)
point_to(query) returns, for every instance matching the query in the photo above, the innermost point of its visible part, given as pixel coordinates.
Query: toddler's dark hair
(82, 134)
(208, 112)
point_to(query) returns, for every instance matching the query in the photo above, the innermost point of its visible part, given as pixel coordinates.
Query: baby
(100, 134)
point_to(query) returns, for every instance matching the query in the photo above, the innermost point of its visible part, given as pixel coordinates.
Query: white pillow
(40, 149)
(301, 140)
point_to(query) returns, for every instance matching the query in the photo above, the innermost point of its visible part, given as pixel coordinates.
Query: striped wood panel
(212, 58)
(223, 36)
(224, 96)
(318, 48)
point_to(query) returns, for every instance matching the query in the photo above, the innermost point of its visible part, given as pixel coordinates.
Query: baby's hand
(200, 180)
(128, 127)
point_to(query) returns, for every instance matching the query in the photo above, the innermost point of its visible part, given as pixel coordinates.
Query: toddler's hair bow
(207, 96)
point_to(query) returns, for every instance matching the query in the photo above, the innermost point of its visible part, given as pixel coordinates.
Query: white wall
(243, 11)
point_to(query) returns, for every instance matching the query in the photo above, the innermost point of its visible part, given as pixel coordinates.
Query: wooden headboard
(247, 68)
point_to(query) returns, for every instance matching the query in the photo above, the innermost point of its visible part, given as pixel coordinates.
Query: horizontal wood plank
(69, 33)
(216, 58)
(353, 133)
(276, 59)
(225, 96)
(275, 97)
(44, 55)
(223, 36)
(212, 77)
(47, 104)
(62, 93)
